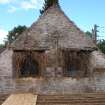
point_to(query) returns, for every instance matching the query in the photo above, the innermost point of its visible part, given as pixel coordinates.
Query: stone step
(73, 99)
(72, 95)
(96, 97)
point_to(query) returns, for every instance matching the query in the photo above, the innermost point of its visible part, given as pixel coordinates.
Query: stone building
(53, 56)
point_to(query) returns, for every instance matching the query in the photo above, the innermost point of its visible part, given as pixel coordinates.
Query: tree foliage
(2, 46)
(101, 46)
(88, 34)
(47, 4)
(14, 33)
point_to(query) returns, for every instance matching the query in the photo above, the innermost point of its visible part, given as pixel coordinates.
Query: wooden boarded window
(29, 67)
(25, 64)
(76, 64)
(70, 61)
(71, 67)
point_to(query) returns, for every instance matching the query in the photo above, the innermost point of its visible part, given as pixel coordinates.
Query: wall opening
(72, 71)
(29, 67)
(71, 64)
(76, 64)
(26, 64)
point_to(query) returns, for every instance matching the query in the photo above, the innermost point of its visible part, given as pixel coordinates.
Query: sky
(85, 13)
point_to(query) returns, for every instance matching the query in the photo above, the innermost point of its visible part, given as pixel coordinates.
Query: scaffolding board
(21, 99)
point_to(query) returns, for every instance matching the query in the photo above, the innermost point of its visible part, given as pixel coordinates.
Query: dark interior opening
(76, 64)
(29, 67)
(71, 64)
(72, 71)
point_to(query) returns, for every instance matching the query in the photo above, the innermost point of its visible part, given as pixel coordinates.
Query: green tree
(101, 46)
(14, 33)
(88, 34)
(47, 4)
(2, 46)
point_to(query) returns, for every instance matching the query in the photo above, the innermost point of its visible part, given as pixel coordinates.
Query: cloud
(12, 9)
(28, 5)
(3, 34)
(14, 5)
(5, 1)
(31, 4)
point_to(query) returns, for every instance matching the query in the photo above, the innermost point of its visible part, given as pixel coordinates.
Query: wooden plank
(21, 99)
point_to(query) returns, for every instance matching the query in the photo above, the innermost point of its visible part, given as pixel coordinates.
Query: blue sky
(85, 13)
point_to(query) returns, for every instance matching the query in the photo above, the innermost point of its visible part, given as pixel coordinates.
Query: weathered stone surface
(55, 85)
